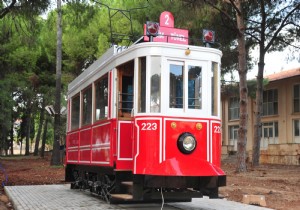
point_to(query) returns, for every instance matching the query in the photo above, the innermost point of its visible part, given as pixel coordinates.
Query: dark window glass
(296, 98)
(234, 108)
(142, 85)
(75, 112)
(195, 87)
(101, 97)
(127, 94)
(296, 127)
(176, 86)
(87, 106)
(270, 102)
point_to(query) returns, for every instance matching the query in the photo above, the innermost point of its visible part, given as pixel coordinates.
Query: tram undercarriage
(122, 186)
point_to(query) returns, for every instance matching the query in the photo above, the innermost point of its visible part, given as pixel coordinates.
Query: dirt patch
(278, 183)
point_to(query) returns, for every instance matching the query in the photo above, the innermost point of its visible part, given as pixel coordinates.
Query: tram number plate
(217, 129)
(149, 126)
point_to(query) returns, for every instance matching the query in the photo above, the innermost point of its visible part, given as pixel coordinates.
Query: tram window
(142, 85)
(155, 85)
(214, 88)
(101, 97)
(176, 86)
(125, 96)
(75, 111)
(127, 93)
(194, 87)
(87, 106)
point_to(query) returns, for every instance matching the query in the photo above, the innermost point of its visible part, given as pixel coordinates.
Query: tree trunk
(242, 132)
(56, 160)
(259, 89)
(12, 138)
(38, 136)
(44, 137)
(21, 146)
(28, 128)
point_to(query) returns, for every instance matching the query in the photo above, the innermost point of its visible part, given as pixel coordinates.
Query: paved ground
(57, 197)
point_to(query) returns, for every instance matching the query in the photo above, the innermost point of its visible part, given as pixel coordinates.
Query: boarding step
(127, 187)
(128, 183)
(125, 197)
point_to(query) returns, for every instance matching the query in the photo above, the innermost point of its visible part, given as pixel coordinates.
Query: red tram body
(145, 121)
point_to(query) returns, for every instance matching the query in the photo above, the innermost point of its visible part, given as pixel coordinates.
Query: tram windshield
(177, 87)
(178, 78)
(194, 87)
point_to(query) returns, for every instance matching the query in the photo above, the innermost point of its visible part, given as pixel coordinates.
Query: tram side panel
(102, 143)
(147, 145)
(216, 142)
(92, 145)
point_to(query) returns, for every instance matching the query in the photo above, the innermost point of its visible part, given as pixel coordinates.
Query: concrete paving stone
(57, 197)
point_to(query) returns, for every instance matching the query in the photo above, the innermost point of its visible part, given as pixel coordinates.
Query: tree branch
(223, 13)
(7, 9)
(235, 8)
(282, 25)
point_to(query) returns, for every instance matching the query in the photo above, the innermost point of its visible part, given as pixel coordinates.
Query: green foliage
(28, 8)
(232, 89)
(28, 42)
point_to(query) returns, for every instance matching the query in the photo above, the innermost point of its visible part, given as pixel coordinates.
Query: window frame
(296, 138)
(204, 91)
(265, 140)
(182, 64)
(72, 127)
(90, 107)
(101, 79)
(234, 109)
(296, 109)
(273, 110)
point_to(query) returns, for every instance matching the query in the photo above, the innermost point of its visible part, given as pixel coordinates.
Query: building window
(296, 130)
(234, 108)
(87, 106)
(269, 134)
(270, 102)
(233, 137)
(296, 98)
(101, 97)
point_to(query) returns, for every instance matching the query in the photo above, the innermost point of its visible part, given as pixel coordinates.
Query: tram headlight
(186, 143)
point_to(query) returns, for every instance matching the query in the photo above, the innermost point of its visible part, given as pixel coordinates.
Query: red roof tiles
(284, 74)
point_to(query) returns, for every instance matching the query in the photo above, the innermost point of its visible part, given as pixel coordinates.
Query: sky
(274, 62)
(277, 61)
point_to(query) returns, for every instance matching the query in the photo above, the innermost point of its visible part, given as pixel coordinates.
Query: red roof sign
(167, 32)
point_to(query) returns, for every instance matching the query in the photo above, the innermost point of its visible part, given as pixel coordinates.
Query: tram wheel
(106, 186)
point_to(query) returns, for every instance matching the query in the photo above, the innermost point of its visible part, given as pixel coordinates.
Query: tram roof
(115, 51)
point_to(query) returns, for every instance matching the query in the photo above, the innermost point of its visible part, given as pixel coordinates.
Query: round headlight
(186, 143)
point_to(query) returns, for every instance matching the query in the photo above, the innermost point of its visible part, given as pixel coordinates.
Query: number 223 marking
(149, 126)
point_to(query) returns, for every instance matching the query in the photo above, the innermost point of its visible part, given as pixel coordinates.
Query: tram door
(125, 110)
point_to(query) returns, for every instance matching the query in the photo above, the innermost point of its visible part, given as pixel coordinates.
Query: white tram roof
(118, 55)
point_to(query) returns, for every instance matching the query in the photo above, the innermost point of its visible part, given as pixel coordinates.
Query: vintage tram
(144, 122)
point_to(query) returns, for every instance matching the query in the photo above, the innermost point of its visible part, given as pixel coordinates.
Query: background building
(280, 140)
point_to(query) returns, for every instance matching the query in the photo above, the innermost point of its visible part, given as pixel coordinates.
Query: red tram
(144, 121)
